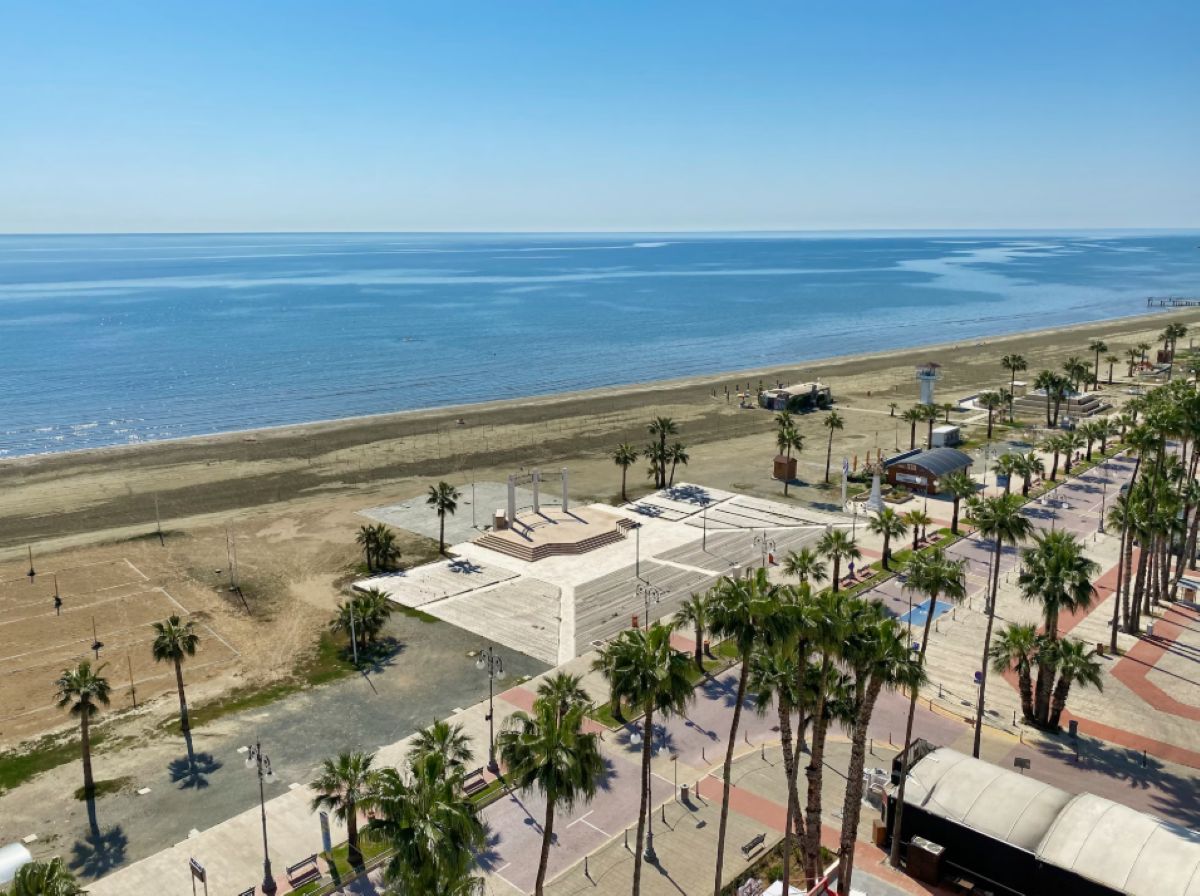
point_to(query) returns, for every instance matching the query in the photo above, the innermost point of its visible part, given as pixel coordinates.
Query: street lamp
(491, 661)
(637, 540)
(649, 594)
(766, 545)
(648, 854)
(255, 758)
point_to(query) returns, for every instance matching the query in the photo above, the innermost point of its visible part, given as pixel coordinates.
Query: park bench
(303, 872)
(249, 892)
(753, 845)
(474, 782)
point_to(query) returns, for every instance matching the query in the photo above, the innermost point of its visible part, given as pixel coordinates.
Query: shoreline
(317, 427)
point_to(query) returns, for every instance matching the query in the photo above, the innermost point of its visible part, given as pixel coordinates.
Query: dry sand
(290, 494)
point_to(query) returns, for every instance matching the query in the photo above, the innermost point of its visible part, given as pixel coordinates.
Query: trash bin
(925, 860)
(1150, 629)
(1073, 728)
(683, 793)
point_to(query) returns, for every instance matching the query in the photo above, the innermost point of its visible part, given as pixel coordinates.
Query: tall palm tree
(344, 784)
(892, 408)
(1056, 573)
(960, 486)
(174, 641)
(443, 498)
(833, 422)
(693, 614)
(1075, 665)
(788, 440)
(83, 690)
(676, 454)
(991, 401)
(1008, 466)
(743, 611)
(1047, 381)
(1077, 371)
(888, 524)
(1121, 516)
(432, 827)
(806, 565)
(1071, 442)
(1014, 364)
(51, 878)
(1170, 337)
(1132, 355)
(1032, 467)
(624, 456)
(656, 455)
(660, 428)
(1089, 431)
(564, 690)
(1110, 360)
(1017, 647)
(929, 413)
(935, 576)
(917, 521)
(367, 539)
(999, 520)
(1053, 446)
(836, 545)
(450, 743)
(912, 417)
(643, 669)
(1143, 347)
(549, 752)
(1098, 346)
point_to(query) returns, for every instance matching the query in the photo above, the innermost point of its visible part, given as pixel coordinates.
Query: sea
(112, 340)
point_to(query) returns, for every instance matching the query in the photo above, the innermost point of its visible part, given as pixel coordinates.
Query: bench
(753, 845)
(303, 872)
(249, 892)
(474, 782)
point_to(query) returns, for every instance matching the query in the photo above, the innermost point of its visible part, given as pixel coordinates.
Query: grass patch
(105, 787)
(414, 613)
(41, 755)
(340, 869)
(488, 794)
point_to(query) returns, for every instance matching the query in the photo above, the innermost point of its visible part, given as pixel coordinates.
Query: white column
(535, 480)
(512, 500)
(566, 504)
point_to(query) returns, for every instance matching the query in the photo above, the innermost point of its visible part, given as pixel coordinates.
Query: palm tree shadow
(191, 772)
(489, 857)
(99, 851)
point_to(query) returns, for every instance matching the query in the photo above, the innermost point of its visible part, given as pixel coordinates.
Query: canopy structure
(12, 857)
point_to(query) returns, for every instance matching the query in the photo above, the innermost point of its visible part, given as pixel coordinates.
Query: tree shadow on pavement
(191, 772)
(100, 850)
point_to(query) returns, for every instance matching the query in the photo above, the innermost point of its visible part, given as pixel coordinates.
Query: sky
(631, 116)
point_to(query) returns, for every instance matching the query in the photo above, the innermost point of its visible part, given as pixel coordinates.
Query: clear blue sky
(521, 115)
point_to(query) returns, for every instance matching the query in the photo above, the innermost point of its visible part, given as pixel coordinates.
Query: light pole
(255, 758)
(648, 854)
(649, 594)
(704, 519)
(637, 549)
(1103, 499)
(766, 545)
(491, 661)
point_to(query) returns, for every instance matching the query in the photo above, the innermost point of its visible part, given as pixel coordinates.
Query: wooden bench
(249, 892)
(754, 845)
(303, 872)
(474, 782)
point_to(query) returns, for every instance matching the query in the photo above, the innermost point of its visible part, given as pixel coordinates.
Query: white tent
(776, 889)
(12, 857)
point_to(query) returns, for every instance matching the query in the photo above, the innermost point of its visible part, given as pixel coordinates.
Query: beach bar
(922, 471)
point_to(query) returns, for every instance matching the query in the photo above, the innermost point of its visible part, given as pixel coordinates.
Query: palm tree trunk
(728, 769)
(987, 643)
(894, 857)
(828, 458)
(354, 854)
(912, 436)
(989, 435)
(183, 710)
(813, 773)
(1048, 423)
(1116, 616)
(793, 805)
(547, 839)
(699, 646)
(852, 804)
(886, 543)
(1025, 685)
(644, 809)
(624, 475)
(85, 745)
(837, 562)
(954, 517)
(442, 532)
(1060, 700)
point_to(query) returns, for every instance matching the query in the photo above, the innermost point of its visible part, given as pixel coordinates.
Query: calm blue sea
(115, 339)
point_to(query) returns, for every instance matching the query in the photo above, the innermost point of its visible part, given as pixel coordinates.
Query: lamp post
(490, 660)
(637, 549)
(256, 759)
(766, 545)
(648, 854)
(649, 594)
(704, 519)
(1103, 499)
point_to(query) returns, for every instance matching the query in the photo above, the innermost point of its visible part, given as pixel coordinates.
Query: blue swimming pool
(917, 615)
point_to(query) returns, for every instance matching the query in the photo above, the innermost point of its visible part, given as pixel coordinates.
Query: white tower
(927, 376)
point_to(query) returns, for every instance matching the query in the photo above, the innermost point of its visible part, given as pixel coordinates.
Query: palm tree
(432, 827)
(946, 407)
(51, 878)
(1110, 360)
(1143, 347)
(1017, 647)
(1047, 381)
(1105, 430)
(788, 440)
(806, 565)
(960, 485)
(1031, 466)
(379, 546)
(443, 498)
(693, 614)
(933, 575)
(991, 401)
(676, 454)
(1122, 515)
(917, 521)
(83, 690)
(449, 743)
(1071, 442)
(549, 752)
(344, 784)
(624, 456)
(1089, 431)
(643, 669)
(888, 524)
(1170, 336)
(1132, 355)
(656, 455)
(367, 539)
(1052, 445)
(363, 616)
(836, 545)
(929, 413)
(1075, 664)
(1008, 466)
(660, 428)
(174, 640)
(912, 417)
(1077, 371)
(1000, 520)
(892, 408)
(1097, 346)
(833, 422)
(1055, 572)
(1014, 364)
(743, 611)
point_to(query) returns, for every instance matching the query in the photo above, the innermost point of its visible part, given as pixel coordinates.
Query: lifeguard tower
(928, 375)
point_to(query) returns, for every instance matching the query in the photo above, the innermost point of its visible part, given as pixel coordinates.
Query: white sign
(909, 477)
(198, 871)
